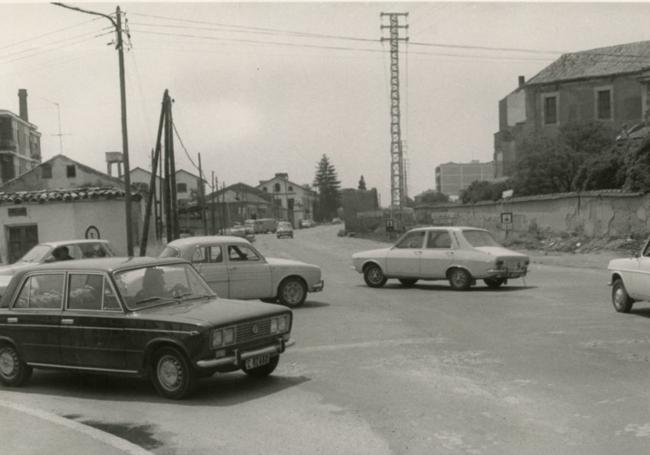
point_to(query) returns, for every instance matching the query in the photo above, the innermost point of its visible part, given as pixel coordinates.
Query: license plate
(257, 361)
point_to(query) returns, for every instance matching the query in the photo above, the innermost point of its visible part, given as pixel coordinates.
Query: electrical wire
(45, 51)
(50, 47)
(34, 38)
(183, 146)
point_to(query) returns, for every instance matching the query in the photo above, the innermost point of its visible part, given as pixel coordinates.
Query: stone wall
(593, 214)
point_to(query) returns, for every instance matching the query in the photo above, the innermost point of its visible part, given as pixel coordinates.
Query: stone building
(291, 202)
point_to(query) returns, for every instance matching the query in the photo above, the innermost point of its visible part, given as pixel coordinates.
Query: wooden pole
(204, 219)
(213, 231)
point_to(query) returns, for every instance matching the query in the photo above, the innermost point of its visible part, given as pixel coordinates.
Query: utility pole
(213, 231)
(204, 219)
(117, 23)
(394, 26)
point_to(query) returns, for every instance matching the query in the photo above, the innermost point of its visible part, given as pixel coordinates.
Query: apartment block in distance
(452, 178)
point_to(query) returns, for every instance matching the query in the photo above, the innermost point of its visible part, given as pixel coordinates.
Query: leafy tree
(431, 197)
(329, 189)
(552, 164)
(606, 170)
(484, 191)
(362, 183)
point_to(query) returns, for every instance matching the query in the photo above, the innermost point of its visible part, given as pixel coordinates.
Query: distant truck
(262, 225)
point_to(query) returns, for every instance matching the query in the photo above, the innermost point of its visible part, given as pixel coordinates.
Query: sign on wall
(506, 217)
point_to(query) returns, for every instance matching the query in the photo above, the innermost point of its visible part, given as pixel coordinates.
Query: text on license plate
(257, 361)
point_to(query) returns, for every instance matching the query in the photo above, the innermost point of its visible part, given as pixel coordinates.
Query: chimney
(522, 81)
(22, 104)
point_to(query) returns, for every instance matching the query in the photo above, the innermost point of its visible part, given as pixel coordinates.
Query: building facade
(608, 85)
(452, 178)
(290, 201)
(20, 142)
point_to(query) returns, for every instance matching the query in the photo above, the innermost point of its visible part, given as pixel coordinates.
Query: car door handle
(66, 321)
(12, 320)
(417, 252)
(232, 268)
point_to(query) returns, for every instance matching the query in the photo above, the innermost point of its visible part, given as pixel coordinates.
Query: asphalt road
(543, 366)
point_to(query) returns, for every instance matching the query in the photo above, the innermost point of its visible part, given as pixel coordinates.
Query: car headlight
(499, 264)
(283, 323)
(274, 325)
(228, 335)
(217, 338)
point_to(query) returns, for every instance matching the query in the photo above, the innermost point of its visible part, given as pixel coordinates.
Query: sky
(268, 87)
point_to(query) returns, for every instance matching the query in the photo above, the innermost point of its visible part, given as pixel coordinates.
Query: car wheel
(408, 282)
(460, 279)
(14, 371)
(292, 292)
(374, 276)
(494, 283)
(172, 375)
(620, 299)
(264, 370)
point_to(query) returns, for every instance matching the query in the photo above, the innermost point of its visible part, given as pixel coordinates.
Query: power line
(52, 49)
(183, 145)
(47, 34)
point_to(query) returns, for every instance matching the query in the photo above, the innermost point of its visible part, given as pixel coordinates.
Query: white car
(459, 254)
(630, 279)
(235, 269)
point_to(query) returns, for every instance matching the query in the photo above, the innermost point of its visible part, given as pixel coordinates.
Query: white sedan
(234, 269)
(630, 279)
(461, 255)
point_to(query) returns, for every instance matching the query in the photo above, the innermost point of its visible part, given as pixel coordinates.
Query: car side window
(110, 302)
(238, 253)
(216, 255)
(439, 239)
(412, 240)
(41, 292)
(199, 255)
(85, 291)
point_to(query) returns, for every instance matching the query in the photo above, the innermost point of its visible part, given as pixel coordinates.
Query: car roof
(105, 264)
(73, 242)
(190, 241)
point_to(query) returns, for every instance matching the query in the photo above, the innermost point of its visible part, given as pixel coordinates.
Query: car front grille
(253, 330)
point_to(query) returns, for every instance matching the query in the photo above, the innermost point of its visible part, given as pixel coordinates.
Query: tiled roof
(65, 195)
(603, 61)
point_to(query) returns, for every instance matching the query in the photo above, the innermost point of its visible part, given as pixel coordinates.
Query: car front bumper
(318, 286)
(238, 357)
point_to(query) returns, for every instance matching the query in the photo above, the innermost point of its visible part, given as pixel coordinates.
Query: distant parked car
(235, 269)
(262, 225)
(140, 317)
(56, 251)
(305, 223)
(461, 255)
(630, 279)
(284, 230)
(239, 230)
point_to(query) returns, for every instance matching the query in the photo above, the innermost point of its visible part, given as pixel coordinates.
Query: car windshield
(170, 252)
(480, 238)
(36, 254)
(160, 284)
(284, 224)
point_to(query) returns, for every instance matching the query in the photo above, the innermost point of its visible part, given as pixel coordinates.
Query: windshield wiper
(152, 299)
(192, 296)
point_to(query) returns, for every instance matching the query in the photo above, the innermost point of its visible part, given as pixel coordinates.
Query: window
(17, 211)
(290, 188)
(237, 253)
(411, 240)
(550, 109)
(265, 189)
(199, 255)
(46, 171)
(91, 292)
(181, 187)
(604, 104)
(71, 171)
(277, 188)
(215, 254)
(41, 292)
(439, 239)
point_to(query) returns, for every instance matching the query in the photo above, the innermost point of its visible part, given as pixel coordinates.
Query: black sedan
(144, 317)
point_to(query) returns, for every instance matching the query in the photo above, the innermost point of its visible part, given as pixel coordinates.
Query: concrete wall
(594, 214)
(69, 220)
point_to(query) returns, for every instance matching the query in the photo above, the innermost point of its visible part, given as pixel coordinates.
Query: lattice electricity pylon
(396, 172)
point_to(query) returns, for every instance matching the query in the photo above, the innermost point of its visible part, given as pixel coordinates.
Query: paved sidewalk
(29, 431)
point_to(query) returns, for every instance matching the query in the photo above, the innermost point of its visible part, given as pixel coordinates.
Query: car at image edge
(284, 229)
(143, 317)
(630, 279)
(459, 254)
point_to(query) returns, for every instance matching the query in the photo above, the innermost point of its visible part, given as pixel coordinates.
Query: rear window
(170, 252)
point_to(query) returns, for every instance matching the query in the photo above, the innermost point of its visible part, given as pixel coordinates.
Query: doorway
(20, 240)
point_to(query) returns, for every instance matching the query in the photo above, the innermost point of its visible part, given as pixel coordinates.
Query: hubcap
(619, 297)
(375, 275)
(170, 372)
(292, 292)
(459, 278)
(8, 363)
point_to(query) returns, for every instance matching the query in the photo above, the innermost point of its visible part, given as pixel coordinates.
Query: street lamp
(117, 23)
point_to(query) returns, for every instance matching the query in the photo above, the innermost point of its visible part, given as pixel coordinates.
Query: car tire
(408, 282)
(374, 276)
(620, 299)
(494, 283)
(292, 292)
(460, 279)
(14, 372)
(172, 375)
(264, 370)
